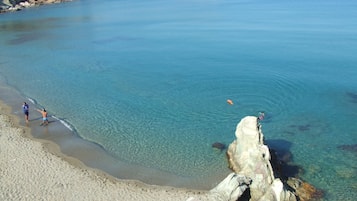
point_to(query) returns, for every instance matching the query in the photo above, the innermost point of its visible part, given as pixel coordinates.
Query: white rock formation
(231, 188)
(248, 156)
(250, 159)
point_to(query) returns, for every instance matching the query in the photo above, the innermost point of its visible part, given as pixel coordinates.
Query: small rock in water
(219, 146)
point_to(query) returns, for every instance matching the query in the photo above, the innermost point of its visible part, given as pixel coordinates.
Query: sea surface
(147, 82)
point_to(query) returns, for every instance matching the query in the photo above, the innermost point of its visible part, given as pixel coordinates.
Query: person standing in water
(44, 116)
(25, 109)
(261, 116)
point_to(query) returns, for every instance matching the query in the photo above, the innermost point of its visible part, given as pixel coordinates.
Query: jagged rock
(248, 156)
(25, 4)
(304, 190)
(231, 188)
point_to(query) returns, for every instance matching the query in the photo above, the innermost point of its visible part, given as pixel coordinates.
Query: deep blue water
(149, 80)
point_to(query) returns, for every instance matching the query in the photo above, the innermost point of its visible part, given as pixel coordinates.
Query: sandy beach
(35, 170)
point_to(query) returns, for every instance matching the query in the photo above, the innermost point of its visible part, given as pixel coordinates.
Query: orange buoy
(229, 101)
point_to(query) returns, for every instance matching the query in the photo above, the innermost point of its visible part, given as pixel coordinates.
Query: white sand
(28, 171)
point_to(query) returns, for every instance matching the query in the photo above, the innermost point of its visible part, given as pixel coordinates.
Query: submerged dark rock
(352, 96)
(349, 147)
(283, 166)
(304, 127)
(219, 145)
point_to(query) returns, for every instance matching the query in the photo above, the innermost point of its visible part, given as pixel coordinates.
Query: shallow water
(148, 81)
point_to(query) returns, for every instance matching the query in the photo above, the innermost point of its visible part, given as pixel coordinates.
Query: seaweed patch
(352, 96)
(305, 127)
(349, 147)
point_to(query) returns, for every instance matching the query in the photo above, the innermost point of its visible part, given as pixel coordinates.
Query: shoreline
(33, 169)
(90, 154)
(7, 6)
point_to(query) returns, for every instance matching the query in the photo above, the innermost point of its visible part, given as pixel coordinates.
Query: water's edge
(90, 154)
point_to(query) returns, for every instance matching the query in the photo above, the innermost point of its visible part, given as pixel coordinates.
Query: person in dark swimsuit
(25, 109)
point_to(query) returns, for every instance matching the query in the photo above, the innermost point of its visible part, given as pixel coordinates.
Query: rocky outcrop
(231, 188)
(304, 190)
(16, 5)
(250, 158)
(254, 178)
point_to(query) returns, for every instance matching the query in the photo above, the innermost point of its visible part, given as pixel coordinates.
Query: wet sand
(90, 154)
(34, 167)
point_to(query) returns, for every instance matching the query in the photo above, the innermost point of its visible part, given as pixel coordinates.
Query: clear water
(148, 80)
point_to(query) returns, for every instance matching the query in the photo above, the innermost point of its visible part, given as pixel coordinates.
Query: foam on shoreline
(63, 123)
(92, 154)
(34, 169)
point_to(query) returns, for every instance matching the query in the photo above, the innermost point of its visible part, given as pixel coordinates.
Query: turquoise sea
(147, 82)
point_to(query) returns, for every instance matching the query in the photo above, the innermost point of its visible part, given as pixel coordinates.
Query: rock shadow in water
(282, 159)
